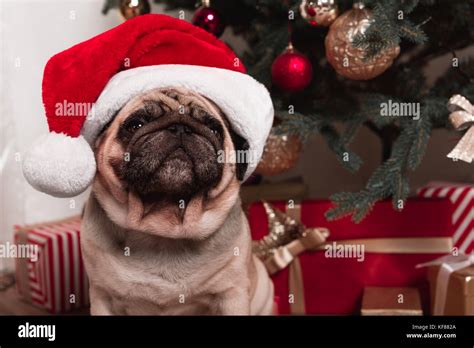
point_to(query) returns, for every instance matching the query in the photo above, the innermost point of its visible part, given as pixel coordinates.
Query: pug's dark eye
(134, 124)
(214, 125)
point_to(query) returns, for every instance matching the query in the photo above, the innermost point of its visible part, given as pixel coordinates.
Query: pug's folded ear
(241, 147)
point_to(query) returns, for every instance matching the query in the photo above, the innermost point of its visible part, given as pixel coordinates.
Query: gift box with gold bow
(322, 267)
(451, 281)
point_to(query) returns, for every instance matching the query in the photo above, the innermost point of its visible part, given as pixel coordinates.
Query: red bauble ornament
(292, 71)
(210, 20)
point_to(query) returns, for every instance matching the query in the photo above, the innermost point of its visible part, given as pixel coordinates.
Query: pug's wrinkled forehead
(183, 101)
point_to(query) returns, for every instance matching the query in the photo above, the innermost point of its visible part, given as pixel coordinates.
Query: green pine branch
(390, 179)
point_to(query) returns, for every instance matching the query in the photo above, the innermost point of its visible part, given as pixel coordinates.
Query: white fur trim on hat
(60, 165)
(245, 102)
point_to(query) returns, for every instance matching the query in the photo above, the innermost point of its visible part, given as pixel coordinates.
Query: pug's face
(159, 169)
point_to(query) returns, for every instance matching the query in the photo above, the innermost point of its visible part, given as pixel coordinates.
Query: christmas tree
(356, 64)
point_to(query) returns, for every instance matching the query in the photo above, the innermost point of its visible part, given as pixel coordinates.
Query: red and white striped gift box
(462, 197)
(57, 281)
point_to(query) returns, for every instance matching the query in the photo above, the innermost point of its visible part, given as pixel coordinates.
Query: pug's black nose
(179, 129)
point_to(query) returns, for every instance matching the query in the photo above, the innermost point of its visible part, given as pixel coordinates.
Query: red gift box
(333, 285)
(57, 280)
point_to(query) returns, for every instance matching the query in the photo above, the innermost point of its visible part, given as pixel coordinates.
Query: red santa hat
(85, 85)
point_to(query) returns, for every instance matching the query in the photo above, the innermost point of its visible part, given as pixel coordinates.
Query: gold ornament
(348, 60)
(319, 12)
(132, 8)
(280, 154)
(462, 117)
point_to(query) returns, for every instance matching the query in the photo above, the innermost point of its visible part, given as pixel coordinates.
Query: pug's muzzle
(170, 154)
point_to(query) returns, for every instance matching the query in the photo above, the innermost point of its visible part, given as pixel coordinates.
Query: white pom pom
(60, 165)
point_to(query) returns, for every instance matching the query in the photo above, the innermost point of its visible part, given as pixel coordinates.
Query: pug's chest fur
(154, 284)
(135, 273)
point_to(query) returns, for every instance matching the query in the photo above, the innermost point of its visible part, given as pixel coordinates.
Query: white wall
(31, 32)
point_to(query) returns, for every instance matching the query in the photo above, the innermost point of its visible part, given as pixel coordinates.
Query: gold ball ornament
(133, 8)
(319, 12)
(349, 61)
(281, 152)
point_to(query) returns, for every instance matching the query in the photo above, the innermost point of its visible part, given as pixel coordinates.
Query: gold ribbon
(462, 117)
(314, 239)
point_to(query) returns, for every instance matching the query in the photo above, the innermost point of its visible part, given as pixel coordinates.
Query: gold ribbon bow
(286, 240)
(285, 255)
(462, 117)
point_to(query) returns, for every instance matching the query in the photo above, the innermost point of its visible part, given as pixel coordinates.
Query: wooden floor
(12, 304)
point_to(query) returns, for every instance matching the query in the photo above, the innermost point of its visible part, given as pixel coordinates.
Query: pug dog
(163, 231)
